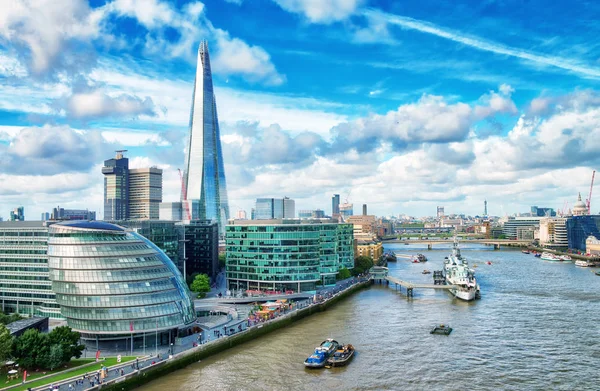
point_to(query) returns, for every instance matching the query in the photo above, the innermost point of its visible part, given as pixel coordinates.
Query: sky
(404, 106)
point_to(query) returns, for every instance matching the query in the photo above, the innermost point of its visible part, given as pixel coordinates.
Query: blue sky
(400, 105)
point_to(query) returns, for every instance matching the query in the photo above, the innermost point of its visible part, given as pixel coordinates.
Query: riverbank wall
(591, 259)
(183, 359)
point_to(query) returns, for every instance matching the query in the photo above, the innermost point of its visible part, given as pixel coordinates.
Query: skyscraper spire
(204, 174)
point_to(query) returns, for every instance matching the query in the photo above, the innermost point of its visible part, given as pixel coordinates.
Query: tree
(362, 264)
(343, 274)
(6, 319)
(68, 341)
(6, 342)
(201, 285)
(55, 357)
(222, 261)
(32, 349)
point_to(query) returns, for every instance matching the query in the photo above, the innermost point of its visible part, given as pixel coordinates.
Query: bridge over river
(490, 242)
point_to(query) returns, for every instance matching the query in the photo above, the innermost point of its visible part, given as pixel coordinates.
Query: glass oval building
(112, 284)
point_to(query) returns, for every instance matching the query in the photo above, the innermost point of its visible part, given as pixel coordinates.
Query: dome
(579, 208)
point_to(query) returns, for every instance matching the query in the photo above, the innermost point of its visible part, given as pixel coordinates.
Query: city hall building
(286, 254)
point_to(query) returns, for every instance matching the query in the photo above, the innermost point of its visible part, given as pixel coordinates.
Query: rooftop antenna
(120, 153)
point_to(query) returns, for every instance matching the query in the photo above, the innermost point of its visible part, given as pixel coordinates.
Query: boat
(341, 356)
(322, 352)
(426, 272)
(537, 255)
(565, 258)
(549, 257)
(525, 252)
(458, 273)
(421, 258)
(582, 263)
(488, 262)
(390, 257)
(441, 329)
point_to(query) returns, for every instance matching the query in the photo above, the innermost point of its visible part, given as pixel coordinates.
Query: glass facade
(202, 247)
(204, 173)
(287, 256)
(579, 228)
(111, 282)
(24, 284)
(116, 188)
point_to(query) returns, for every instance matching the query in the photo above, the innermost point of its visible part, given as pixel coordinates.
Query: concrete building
(145, 193)
(373, 249)
(580, 208)
(592, 246)
(116, 187)
(241, 215)
(286, 254)
(346, 210)
(114, 286)
(170, 211)
(274, 208)
(204, 173)
(519, 228)
(17, 214)
(24, 285)
(59, 213)
(553, 233)
(440, 212)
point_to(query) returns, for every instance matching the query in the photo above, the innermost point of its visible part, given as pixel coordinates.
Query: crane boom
(589, 200)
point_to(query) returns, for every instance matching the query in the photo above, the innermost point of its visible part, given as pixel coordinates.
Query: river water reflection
(536, 327)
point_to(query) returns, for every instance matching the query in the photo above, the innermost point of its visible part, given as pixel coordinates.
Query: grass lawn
(108, 362)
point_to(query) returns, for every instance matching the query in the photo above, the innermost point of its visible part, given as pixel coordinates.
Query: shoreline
(188, 357)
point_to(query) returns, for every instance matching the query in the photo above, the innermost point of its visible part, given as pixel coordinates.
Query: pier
(380, 274)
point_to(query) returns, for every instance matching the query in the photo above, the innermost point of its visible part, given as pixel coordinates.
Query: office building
(202, 247)
(45, 216)
(286, 254)
(553, 233)
(274, 208)
(24, 285)
(311, 214)
(592, 246)
(335, 205)
(521, 228)
(542, 212)
(364, 210)
(116, 187)
(346, 210)
(17, 214)
(112, 284)
(440, 212)
(170, 211)
(59, 213)
(204, 173)
(580, 228)
(145, 193)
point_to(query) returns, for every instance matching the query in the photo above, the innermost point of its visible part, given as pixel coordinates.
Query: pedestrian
(122, 372)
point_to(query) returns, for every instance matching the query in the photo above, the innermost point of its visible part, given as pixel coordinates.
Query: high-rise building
(116, 187)
(485, 208)
(202, 247)
(59, 213)
(45, 216)
(364, 209)
(17, 214)
(171, 211)
(145, 193)
(346, 210)
(440, 212)
(204, 174)
(335, 205)
(241, 215)
(542, 212)
(275, 208)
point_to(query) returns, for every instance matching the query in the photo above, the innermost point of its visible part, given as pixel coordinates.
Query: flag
(24, 376)
(97, 355)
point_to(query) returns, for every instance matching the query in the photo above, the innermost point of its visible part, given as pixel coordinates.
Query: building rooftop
(91, 225)
(19, 325)
(22, 224)
(282, 222)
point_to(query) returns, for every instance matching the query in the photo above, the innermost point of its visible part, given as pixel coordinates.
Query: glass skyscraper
(204, 174)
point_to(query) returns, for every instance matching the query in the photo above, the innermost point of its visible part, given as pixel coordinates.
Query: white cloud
(150, 13)
(96, 104)
(319, 11)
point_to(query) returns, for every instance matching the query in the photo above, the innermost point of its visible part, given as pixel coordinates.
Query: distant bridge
(490, 242)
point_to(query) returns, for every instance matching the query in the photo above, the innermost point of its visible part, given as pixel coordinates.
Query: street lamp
(171, 348)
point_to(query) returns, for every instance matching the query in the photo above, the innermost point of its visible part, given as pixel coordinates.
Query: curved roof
(91, 225)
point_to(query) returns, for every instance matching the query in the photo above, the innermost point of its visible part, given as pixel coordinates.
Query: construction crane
(184, 196)
(589, 199)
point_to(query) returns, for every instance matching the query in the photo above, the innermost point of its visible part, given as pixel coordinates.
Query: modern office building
(542, 212)
(116, 187)
(553, 233)
(335, 205)
(346, 210)
(518, 228)
(59, 213)
(171, 211)
(24, 285)
(204, 173)
(286, 254)
(580, 228)
(114, 286)
(440, 212)
(145, 193)
(17, 214)
(202, 247)
(45, 216)
(311, 214)
(274, 208)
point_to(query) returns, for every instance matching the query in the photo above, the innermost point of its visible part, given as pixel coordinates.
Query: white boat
(581, 263)
(550, 257)
(458, 273)
(565, 258)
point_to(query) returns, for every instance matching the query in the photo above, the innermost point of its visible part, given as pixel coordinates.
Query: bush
(201, 285)
(343, 274)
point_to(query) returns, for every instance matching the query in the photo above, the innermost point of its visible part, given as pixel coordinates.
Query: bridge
(490, 242)
(381, 274)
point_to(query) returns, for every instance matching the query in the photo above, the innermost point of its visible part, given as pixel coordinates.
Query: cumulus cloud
(318, 11)
(97, 104)
(40, 31)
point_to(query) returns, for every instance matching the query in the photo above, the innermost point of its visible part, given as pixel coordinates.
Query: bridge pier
(409, 292)
(429, 246)
(496, 246)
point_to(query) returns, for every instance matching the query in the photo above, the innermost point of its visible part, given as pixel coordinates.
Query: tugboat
(342, 356)
(319, 358)
(441, 329)
(390, 256)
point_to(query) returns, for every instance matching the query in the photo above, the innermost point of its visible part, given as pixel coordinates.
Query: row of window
(271, 277)
(103, 263)
(120, 301)
(125, 326)
(114, 289)
(108, 276)
(120, 313)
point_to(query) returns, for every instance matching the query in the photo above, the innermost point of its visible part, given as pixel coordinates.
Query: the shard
(204, 188)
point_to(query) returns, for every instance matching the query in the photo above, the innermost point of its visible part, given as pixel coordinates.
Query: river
(537, 326)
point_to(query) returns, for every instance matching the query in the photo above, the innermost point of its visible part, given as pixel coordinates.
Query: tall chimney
(364, 209)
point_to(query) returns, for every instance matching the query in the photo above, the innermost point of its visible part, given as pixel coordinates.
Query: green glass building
(286, 254)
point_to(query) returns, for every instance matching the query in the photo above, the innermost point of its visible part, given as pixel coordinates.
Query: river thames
(536, 327)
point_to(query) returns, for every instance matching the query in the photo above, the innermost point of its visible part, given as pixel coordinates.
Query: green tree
(201, 285)
(31, 349)
(222, 261)
(6, 342)
(6, 319)
(55, 357)
(68, 341)
(343, 274)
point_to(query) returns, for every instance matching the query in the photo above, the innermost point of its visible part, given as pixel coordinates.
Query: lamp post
(171, 348)
(184, 241)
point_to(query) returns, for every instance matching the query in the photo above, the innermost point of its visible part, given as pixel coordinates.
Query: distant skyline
(402, 106)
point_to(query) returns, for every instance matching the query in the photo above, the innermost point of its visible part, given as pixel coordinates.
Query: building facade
(373, 250)
(116, 187)
(204, 173)
(335, 205)
(17, 214)
(170, 211)
(592, 246)
(274, 208)
(112, 284)
(286, 255)
(202, 247)
(518, 228)
(580, 228)
(145, 193)
(59, 213)
(24, 285)
(346, 210)
(553, 232)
